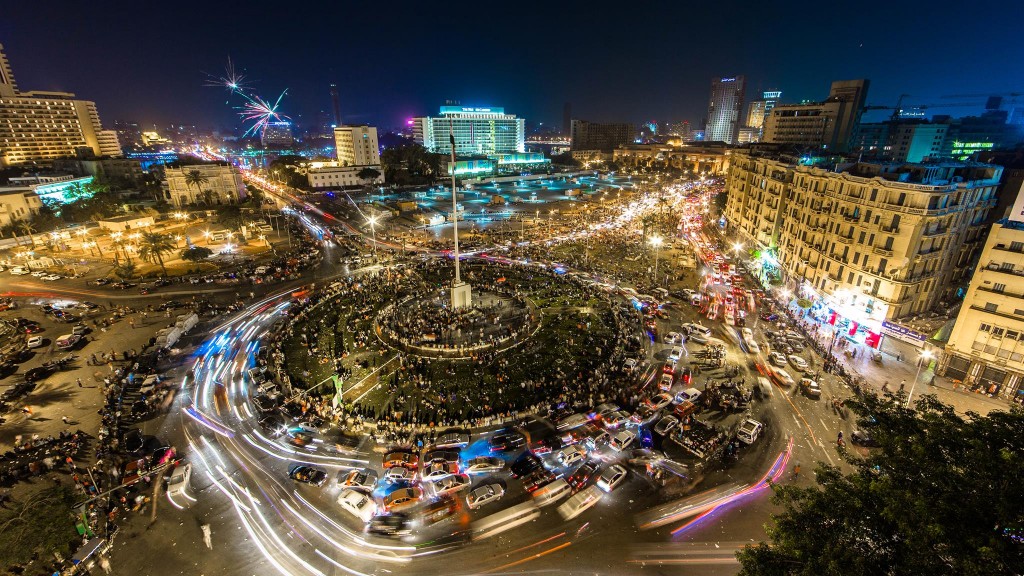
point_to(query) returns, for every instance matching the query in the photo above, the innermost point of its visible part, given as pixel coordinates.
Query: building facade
(357, 146)
(334, 175)
(725, 110)
(477, 131)
(605, 137)
(223, 184)
(697, 158)
(41, 126)
(18, 202)
(830, 124)
(868, 243)
(901, 140)
(986, 347)
(277, 135)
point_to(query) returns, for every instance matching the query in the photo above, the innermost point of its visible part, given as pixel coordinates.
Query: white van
(506, 519)
(580, 502)
(68, 341)
(749, 431)
(764, 386)
(551, 492)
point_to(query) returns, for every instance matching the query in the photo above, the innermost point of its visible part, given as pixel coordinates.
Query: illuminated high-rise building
(39, 125)
(277, 135)
(477, 130)
(724, 109)
(830, 124)
(357, 146)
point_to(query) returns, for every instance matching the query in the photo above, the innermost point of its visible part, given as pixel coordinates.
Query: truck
(68, 341)
(186, 322)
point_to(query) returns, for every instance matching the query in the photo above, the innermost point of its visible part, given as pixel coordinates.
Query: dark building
(566, 118)
(593, 136)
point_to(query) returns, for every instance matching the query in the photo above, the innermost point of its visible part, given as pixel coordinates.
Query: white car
(778, 358)
(607, 408)
(178, 481)
(484, 465)
(666, 425)
(660, 401)
(571, 455)
(484, 495)
(693, 328)
(783, 378)
(623, 439)
(749, 431)
(665, 384)
(447, 485)
(579, 502)
(799, 363)
(616, 419)
(39, 273)
(397, 473)
(676, 353)
(51, 277)
(611, 477)
(34, 342)
(359, 504)
(358, 480)
(438, 470)
(673, 338)
(453, 440)
(19, 271)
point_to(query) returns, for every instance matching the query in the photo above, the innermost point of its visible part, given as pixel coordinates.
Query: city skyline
(383, 86)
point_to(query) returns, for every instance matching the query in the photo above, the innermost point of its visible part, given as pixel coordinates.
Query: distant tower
(336, 104)
(724, 109)
(8, 87)
(566, 118)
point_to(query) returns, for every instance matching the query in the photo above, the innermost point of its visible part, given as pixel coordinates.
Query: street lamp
(656, 242)
(373, 231)
(925, 358)
(736, 247)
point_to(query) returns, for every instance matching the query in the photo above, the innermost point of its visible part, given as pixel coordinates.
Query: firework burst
(232, 81)
(261, 112)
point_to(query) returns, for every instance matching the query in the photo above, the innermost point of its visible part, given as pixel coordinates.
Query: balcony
(996, 313)
(881, 251)
(1006, 248)
(984, 288)
(995, 268)
(935, 232)
(851, 218)
(891, 229)
(845, 239)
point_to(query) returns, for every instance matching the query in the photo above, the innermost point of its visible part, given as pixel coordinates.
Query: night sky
(626, 61)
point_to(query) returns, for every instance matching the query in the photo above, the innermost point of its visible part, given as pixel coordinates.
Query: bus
(506, 519)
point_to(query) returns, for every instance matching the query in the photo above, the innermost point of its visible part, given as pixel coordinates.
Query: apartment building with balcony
(986, 347)
(866, 243)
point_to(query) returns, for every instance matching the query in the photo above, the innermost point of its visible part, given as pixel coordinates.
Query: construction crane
(899, 107)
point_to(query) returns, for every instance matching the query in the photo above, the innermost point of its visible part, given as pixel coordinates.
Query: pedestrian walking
(207, 537)
(79, 380)
(64, 419)
(796, 471)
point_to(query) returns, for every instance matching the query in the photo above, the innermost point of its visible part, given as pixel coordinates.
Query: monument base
(462, 295)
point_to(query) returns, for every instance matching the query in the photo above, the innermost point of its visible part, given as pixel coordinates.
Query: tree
(153, 246)
(36, 526)
(126, 271)
(28, 229)
(368, 173)
(196, 253)
(195, 178)
(939, 496)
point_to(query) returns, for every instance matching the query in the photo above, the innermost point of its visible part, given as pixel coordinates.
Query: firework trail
(254, 108)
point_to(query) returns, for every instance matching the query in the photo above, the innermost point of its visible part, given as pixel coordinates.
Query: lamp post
(656, 242)
(925, 358)
(373, 231)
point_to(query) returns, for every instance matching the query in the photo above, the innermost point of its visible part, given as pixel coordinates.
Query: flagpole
(455, 207)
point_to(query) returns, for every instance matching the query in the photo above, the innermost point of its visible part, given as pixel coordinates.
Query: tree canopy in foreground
(939, 495)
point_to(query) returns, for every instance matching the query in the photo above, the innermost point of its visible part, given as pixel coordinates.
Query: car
(536, 479)
(307, 474)
(506, 442)
(177, 483)
(673, 338)
(358, 479)
(39, 273)
(611, 477)
(51, 277)
(687, 395)
(810, 388)
(582, 475)
(19, 271)
(571, 421)
(39, 373)
(749, 431)
(783, 378)
(448, 456)
(668, 368)
(402, 499)
(863, 437)
(436, 470)
(693, 328)
(579, 502)
(359, 504)
(799, 363)
(307, 427)
(484, 495)
(778, 358)
(524, 465)
(403, 459)
(389, 525)
(571, 455)
(645, 456)
(273, 424)
(622, 440)
(643, 414)
(399, 474)
(483, 465)
(80, 330)
(616, 419)
(101, 282)
(447, 485)
(666, 425)
(659, 401)
(547, 445)
(452, 440)
(630, 364)
(34, 342)
(169, 305)
(675, 354)
(299, 438)
(666, 382)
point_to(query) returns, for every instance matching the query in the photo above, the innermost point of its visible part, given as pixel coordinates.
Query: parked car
(571, 455)
(452, 440)
(749, 431)
(307, 474)
(524, 465)
(34, 342)
(177, 483)
(810, 388)
(666, 425)
(436, 470)
(484, 495)
(448, 456)
(778, 358)
(799, 363)
(402, 499)
(506, 442)
(447, 485)
(623, 439)
(358, 479)
(611, 477)
(403, 459)
(582, 476)
(783, 378)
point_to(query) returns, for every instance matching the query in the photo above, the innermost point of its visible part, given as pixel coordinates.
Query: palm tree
(26, 227)
(153, 246)
(197, 179)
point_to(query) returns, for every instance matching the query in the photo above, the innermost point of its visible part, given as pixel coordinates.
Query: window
(990, 307)
(984, 327)
(997, 333)
(1012, 335)
(999, 287)
(1017, 246)
(1007, 266)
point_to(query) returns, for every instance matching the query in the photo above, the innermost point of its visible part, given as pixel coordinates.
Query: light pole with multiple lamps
(373, 231)
(656, 242)
(925, 358)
